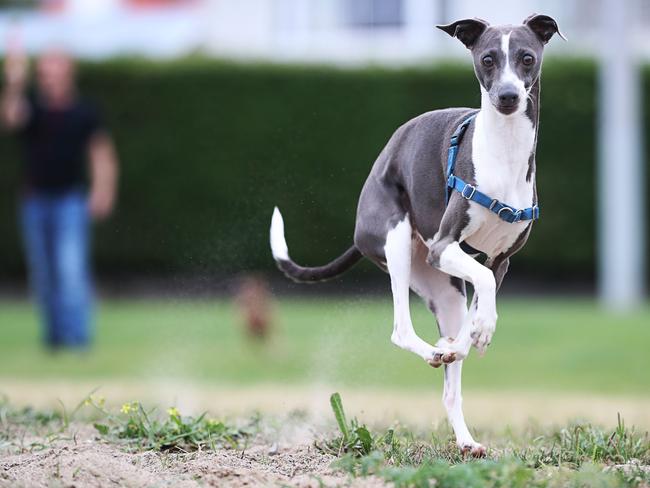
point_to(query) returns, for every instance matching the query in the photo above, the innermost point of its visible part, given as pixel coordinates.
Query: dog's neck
(515, 133)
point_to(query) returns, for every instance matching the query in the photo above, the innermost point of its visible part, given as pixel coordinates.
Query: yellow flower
(173, 412)
(126, 408)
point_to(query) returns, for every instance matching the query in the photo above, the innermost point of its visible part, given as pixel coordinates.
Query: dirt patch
(80, 458)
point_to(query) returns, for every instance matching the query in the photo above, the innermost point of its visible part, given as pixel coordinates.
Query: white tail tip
(278, 242)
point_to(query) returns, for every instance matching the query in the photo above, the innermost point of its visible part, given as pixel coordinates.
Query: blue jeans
(56, 238)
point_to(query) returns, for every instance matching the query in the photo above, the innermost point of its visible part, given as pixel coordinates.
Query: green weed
(354, 439)
(142, 429)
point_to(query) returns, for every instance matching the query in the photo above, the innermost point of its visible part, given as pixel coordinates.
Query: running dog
(449, 186)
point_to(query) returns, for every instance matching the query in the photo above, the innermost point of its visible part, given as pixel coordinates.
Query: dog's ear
(467, 31)
(544, 27)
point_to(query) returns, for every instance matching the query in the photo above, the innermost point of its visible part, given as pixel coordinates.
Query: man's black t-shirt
(56, 145)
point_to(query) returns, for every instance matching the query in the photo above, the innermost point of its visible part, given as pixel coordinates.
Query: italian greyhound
(449, 186)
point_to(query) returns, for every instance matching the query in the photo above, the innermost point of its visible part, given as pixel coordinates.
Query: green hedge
(209, 148)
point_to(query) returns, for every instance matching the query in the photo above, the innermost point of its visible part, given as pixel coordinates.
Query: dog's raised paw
(449, 358)
(435, 361)
(439, 359)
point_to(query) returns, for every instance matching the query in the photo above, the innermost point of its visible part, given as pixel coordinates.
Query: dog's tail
(299, 273)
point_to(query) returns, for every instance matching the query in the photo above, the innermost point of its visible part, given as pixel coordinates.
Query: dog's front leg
(481, 338)
(398, 261)
(446, 255)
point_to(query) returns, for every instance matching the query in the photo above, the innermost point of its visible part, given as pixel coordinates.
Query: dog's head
(507, 59)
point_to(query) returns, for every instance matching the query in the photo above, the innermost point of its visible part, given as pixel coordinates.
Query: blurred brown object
(255, 303)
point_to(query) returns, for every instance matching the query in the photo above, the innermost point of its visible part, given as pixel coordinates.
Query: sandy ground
(282, 453)
(418, 408)
(81, 459)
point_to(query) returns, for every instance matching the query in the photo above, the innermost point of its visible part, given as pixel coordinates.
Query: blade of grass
(339, 414)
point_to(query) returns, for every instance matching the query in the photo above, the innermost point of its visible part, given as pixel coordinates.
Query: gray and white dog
(428, 244)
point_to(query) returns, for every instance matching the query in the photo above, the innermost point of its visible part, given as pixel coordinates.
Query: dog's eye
(527, 59)
(487, 61)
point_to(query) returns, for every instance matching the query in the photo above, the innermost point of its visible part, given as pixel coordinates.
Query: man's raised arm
(14, 109)
(104, 168)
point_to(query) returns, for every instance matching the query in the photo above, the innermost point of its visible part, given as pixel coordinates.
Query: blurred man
(70, 175)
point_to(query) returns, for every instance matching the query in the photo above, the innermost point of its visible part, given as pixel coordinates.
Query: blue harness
(469, 192)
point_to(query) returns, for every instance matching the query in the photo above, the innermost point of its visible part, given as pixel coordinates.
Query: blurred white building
(389, 32)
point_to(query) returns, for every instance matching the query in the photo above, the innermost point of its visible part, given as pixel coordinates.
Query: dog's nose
(508, 97)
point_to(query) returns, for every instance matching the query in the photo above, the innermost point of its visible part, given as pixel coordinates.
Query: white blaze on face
(508, 76)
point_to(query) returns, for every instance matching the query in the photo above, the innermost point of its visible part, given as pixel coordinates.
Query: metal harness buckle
(516, 215)
(468, 197)
(511, 210)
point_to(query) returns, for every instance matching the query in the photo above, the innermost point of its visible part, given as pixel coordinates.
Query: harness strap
(503, 211)
(470, 192)
(452, 153)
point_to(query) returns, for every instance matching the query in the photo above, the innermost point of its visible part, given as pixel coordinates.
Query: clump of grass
(584, 443)
(142, 429)
(355, 439)
(28, 416)
(619, 446)
(581, 455)
(28, 429)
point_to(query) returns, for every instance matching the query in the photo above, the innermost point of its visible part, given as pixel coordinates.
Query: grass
(556, 345)
(577, 455)
(142, 429)
(133, 427)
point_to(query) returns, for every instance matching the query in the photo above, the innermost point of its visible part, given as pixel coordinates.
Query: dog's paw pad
(477, 451)
(435, 361)
(439, 359)
(449, 358)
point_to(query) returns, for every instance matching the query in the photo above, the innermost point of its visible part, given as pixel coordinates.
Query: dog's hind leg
(445, 297)
(398, 250)
(453, 402)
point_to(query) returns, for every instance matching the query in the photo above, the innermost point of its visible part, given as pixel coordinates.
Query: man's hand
(103, 176)
(13, 107)
(16, 62)
(101, 203)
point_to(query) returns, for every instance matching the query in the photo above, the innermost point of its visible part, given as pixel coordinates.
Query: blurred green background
(208, 148)
(556, 345)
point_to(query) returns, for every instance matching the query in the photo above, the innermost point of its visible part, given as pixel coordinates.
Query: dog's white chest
(500, 153)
